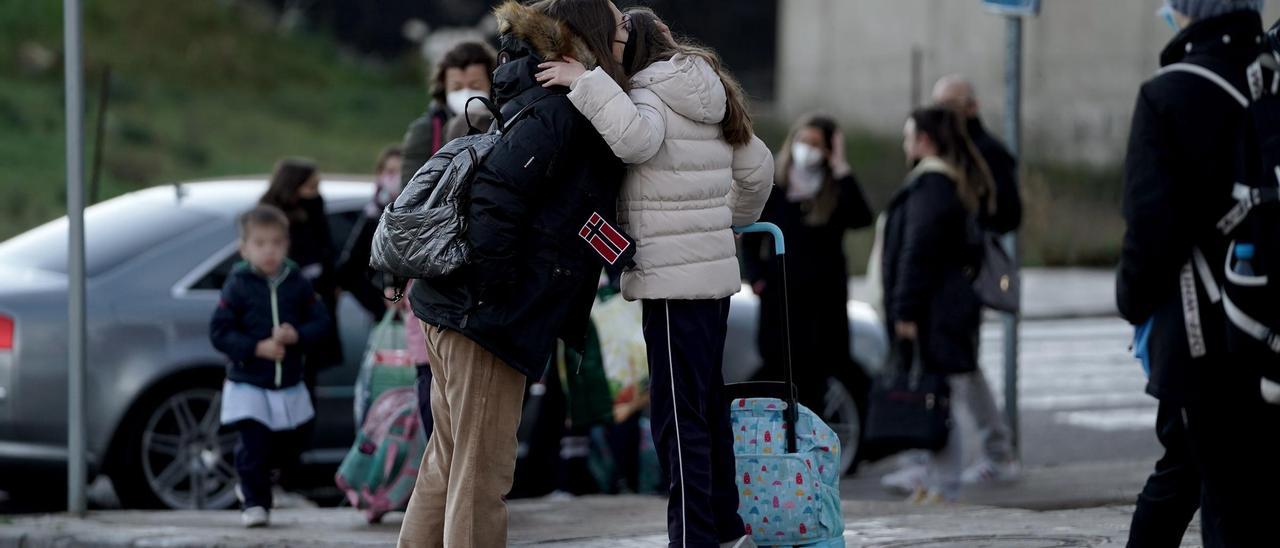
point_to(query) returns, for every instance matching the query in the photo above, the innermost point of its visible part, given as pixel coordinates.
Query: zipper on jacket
(275, 319)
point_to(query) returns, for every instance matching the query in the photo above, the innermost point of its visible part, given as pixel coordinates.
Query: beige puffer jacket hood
(686, 186)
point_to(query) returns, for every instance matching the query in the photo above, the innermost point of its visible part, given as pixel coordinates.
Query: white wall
(1083, 63)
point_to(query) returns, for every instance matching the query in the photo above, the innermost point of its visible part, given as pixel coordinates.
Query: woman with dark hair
(462, 73)
(696, 170)
(531, 278)
(818, 201)
(295, 189)
(929, 257)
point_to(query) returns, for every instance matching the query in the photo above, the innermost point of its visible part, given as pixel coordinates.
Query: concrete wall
(1083, 63)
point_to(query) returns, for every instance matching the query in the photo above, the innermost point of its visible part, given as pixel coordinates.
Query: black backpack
(1244, 283)
(423, 234)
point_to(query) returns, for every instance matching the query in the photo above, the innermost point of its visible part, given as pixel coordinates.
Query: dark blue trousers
(690, 417)
(259, 452)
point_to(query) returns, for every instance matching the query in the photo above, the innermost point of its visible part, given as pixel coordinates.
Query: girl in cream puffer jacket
(688, 183)
(695, 171)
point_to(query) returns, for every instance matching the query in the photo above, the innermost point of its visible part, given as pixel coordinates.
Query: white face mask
(807, 156)
(457, 100)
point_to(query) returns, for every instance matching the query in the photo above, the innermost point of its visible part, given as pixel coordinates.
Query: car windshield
(115, 231)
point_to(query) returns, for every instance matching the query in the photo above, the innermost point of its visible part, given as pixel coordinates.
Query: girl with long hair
(817, 203)
(696, 170)
(930, 255)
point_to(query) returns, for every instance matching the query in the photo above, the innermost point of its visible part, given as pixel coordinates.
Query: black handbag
(909, 408)
(997, 283)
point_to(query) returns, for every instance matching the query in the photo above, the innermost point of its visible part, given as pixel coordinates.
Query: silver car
(156, 259)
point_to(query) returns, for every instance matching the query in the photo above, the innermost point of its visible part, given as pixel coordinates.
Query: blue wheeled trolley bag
(788, 460)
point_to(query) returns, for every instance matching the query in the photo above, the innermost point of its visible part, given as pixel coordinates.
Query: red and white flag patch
(608, 241)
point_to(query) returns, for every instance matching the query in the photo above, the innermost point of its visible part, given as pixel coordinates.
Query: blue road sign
(1013, 7)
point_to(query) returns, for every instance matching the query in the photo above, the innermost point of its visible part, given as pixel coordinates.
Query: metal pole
(1013, 133)
(76, 476)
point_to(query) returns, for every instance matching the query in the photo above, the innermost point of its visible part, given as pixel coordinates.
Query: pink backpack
(379, 472)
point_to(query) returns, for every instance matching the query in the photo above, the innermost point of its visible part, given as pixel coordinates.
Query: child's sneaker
(255, 517)
(987, 471)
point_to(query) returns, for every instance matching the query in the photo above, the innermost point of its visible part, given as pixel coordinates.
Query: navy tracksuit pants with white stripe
(690, 417)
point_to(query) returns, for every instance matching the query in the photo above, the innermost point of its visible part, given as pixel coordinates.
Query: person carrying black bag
(930, 257)
(1180, 171)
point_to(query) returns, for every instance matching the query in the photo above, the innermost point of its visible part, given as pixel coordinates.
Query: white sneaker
(255, 517)
(987, 471)
(905, 480)
(558, 496)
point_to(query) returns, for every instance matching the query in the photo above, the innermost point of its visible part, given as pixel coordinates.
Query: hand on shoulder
(560, 73)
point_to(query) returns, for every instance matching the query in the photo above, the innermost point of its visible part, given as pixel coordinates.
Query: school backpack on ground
(787, 459)
(379, 472)
(423, 233)
(1245, 283)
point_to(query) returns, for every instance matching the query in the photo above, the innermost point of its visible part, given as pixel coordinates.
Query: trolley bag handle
(785, 390)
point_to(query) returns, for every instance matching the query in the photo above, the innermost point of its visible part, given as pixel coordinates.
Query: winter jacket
(532, 277)
(930, 257)
(686, 187)
(818, 288)
(1179, 172)
(354, 273)
(251, 307)
(423, 138)
(1004, 171)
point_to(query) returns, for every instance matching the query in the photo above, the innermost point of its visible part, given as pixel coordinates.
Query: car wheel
(176, 454)
(840, 412)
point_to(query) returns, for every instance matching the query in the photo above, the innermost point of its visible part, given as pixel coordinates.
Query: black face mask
(312, 205)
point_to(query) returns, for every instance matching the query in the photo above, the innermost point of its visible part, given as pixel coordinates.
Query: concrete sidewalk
(615, 522)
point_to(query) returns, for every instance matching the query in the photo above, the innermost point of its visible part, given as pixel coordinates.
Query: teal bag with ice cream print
(786, 499)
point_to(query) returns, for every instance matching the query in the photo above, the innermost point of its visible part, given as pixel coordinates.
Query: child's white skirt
(279, 410)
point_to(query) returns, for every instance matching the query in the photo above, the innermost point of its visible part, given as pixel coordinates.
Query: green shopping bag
(387, 364)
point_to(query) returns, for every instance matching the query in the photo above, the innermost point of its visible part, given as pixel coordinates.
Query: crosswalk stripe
(1081, 371)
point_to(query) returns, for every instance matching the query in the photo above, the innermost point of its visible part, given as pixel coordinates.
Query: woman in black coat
(295, 189)
(817, 200)
(931, 252)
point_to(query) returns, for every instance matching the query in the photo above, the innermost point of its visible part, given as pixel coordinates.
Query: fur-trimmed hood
(548, 37)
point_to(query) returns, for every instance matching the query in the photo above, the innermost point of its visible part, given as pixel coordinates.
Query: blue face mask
(1166, 13)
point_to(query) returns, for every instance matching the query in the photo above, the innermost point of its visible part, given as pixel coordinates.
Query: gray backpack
(423, 234)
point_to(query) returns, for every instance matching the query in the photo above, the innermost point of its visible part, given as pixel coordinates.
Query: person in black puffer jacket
(532, 279)
(929, 257)
(1219, 435)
